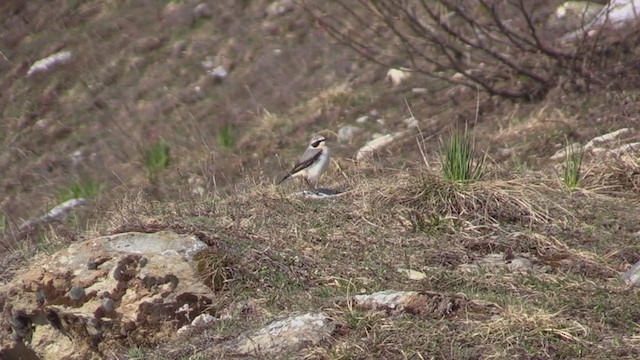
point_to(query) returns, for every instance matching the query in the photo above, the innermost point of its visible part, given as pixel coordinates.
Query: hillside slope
(179, 116)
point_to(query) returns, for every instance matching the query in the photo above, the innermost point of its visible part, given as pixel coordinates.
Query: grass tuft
(80, 189)
(156, 159)
(571, 175)
(459, 162)
(226, 136)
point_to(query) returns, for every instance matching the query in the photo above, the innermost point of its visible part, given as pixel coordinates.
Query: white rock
(279, 7)
(45, 64)
(616, 14)
(346, 133)
(380, 121)
(218, 72)
(583, 10)
(202, 10)
(385, 299)
(632, 276)
(520, 264)
(378, 143)
(362, 119)
(413, 274)
(606, 138)
(419, 90)
(624, 149)
(397, 76)
(373, 146)
(411, 122)
(562, 153)
(281, 336)
(208, 63)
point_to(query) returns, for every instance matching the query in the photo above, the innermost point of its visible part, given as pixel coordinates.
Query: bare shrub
(506, 48)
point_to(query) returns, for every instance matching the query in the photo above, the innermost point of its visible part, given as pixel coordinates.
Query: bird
(313, 163)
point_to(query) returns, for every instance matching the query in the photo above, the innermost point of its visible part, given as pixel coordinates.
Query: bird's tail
(283, 179)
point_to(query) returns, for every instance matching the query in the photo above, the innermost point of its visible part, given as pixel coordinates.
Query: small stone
(411, 122)
(279, 7)
(202, 320)
(380, 121)
(218, 73)
(413, 274)
(147, 44)
(632, 276)
(179, 48)
(362, 119)
(108, 305)
(419, 90)
(76, 293)
(202, 11)
(49, 62)
(346, 133)
(520, 264)
(397, 76)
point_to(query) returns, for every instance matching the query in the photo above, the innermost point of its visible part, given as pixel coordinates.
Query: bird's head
(318, 142)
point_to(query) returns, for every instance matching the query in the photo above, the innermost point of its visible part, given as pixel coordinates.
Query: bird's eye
(316, 144)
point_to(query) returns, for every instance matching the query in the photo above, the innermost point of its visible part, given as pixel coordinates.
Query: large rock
(79, 301)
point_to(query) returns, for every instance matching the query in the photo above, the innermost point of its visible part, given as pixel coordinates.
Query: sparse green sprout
(459, 163)
(572, 167)
(136, 353)
(156, 159)
(86, 188)
(226, 136)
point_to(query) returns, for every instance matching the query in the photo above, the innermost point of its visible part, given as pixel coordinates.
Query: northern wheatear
(313, 163)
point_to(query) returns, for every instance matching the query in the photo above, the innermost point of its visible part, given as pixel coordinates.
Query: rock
(346, 133)
(624, 149)
(419, 91)
(606, 138)
(282, 337)
(202, 11)
(50, 62)
(376, 144)
(218, 73)
(319, 194)
(148, 44)
(413, 274)
(411, 122)
(362, 119)
(397, 76)
(179, 49)
(56, 213)
(496, 262)
(520, 264)
(199, 321)
(81, 298)
(279, 7)
(616, 14)
(208, 63)
(420, 303)
(632, 276)
(562, 153)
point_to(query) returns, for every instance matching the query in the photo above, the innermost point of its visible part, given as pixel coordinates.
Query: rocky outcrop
(132, 286)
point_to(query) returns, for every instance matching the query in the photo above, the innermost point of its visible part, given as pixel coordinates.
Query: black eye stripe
(317, 143)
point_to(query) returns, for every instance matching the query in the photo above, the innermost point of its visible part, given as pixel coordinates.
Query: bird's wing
(309, 157)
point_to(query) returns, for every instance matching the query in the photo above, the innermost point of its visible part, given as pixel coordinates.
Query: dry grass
(281, 253)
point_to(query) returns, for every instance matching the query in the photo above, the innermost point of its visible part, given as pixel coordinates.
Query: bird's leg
(308, 183)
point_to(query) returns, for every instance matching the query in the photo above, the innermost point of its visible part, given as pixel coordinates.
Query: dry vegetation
(271, 253)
